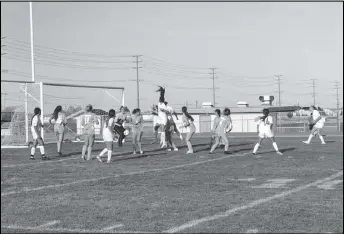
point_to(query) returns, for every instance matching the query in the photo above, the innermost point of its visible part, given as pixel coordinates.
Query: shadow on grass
(231, 145)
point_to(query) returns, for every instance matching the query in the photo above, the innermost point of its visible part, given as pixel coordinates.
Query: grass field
(301, 191)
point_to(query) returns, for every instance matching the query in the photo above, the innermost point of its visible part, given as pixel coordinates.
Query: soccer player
(36, 126)
(170, 128)
(224, 126)
(316, 125)
(59, 120)
(119, 129)
(215, 125)
(265, 131)
(88, 120)
(162, 116)
(171, 112)
(156, 124)
(137, 127)
(188, 123)
(108, 134)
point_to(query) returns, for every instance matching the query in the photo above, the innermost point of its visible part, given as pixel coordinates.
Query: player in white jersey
(108, 134)
(316, 125)
(88, 120)
(36, 126)
(156, 123)
(188, 122)
(59, 120)
(162, 109)
(265, 125)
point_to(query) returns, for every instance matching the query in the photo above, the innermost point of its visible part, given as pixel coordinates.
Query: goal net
(22, 98)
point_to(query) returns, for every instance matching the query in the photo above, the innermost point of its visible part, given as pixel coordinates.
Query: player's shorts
(107, 135)
(38, 141)
(109, 145)
(35, 136)
(58, 129)
(267, 134)
(137, 135)
(89, 140)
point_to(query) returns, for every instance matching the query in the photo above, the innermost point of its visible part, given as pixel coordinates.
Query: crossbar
(18, 81)
(83, 86)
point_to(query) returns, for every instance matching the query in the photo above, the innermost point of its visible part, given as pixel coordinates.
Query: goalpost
(47, 96)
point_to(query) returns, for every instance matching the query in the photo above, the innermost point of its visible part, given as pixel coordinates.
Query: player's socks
(33, 149)
(322, 139)
(89, 152)
(83, 152)
(256, 148)
(309, 139)
(42, 150)
(103, 152)
(109, 153)
(274, 144)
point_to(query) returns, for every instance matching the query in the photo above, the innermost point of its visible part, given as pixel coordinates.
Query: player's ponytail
(36, 111)
(185, 111)
(56, 112)
(112, 114)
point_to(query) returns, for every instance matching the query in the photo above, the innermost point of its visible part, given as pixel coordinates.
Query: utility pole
(279, 88)
(213, 73)
(313, 94)
(3, 99)
(137, 79)
(338, 111)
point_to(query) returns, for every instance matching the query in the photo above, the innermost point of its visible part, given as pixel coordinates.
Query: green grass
(163, 190)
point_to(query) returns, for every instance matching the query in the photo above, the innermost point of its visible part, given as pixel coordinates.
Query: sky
(247, 42)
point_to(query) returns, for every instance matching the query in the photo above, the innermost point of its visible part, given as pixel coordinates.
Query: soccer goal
(23, 96)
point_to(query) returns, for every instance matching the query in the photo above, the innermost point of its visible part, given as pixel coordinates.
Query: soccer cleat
(60, 154)
(99, 159)
(279, 153)
(175, 149)
(134, 152)
(323, 143)
(211, 152)
(141, 152)
(306, 142)
(189, 152)
(83, 158)
(108, 161)
(168, 150)
(44, 157)
(32, 157)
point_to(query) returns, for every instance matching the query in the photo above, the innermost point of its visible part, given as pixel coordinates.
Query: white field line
(227, 213)
(112, 227)
(48, 224)
(124, 174)
(61, 230)
(330, 185)
(252, 231)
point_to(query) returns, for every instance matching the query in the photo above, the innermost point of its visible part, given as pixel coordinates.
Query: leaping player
(265, 131)
(162, 116)
(316, 125)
